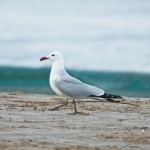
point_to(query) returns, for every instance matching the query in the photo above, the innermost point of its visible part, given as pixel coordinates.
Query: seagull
(67, 86)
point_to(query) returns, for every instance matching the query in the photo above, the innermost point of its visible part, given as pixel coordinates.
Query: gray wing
(75, 88)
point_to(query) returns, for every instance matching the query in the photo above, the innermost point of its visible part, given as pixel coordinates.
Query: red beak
(43, 58)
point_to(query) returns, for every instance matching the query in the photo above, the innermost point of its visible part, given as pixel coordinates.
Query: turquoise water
(29, 80)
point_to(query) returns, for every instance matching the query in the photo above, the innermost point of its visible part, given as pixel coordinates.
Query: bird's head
(54, 56)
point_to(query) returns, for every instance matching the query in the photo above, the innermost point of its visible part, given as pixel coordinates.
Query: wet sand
(26, 122)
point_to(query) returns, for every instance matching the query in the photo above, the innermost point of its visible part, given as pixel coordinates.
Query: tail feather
(108, 96)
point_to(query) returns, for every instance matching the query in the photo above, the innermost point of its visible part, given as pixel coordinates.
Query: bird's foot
(74, 113)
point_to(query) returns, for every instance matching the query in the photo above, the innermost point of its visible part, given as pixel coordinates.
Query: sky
(92, 35)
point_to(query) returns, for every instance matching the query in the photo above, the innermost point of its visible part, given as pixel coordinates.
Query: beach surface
(26, 122)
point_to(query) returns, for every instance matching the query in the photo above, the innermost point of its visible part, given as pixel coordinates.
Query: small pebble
(35, 108)
(30, 140)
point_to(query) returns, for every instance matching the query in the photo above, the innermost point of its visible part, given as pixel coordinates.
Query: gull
(67, 86)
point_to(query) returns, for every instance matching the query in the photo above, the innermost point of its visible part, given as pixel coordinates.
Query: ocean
(29, 80)
(104, 43)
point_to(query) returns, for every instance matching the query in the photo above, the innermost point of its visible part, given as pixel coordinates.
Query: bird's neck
(58, 67)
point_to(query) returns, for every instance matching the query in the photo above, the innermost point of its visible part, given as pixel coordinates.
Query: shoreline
(27, 123)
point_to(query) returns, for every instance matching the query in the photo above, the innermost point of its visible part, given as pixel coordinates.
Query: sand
(26, 122)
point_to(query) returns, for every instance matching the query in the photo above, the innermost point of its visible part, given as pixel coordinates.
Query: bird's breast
(52, 81)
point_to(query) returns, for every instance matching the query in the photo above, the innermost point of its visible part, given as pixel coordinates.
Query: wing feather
(75, 88)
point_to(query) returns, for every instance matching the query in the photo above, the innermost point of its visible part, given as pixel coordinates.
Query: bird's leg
(56, 108)
(75, 108)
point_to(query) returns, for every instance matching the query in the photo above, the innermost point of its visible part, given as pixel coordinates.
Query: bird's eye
(53, 55)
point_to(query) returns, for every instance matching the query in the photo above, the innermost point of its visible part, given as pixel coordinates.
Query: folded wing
(75, 88)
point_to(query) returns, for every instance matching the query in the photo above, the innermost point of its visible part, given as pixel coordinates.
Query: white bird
(65, 85)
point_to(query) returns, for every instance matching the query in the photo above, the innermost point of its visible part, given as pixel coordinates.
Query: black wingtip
(107, 96)
(110, 96)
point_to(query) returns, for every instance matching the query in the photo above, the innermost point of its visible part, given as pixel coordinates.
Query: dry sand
(27, 123)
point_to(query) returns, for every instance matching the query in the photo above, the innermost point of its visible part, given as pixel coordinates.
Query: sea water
(31, 80)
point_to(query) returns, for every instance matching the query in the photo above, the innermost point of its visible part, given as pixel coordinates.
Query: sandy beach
(26, 122)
